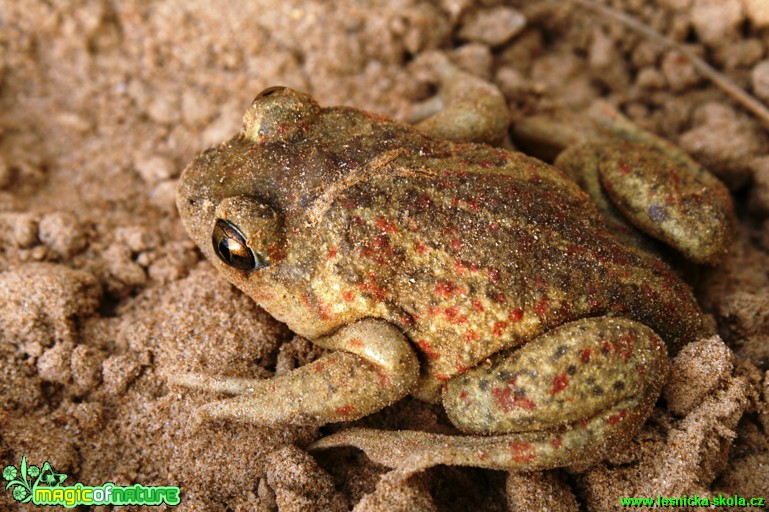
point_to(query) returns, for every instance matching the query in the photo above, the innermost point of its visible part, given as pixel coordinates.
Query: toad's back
(485, 255)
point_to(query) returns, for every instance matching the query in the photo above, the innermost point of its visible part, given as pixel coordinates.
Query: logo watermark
(42, 485)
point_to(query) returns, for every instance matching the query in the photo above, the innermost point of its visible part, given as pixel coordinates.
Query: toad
(454, 272)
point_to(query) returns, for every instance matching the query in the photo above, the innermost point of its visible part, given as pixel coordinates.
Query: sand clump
(102, 293)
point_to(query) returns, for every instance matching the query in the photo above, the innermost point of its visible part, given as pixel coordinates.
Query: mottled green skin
(531, 390)
(469, 250)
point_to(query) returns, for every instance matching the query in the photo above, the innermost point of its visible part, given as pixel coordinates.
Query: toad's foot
(372, 367)
(688, 210)
(571, 396)
(466, 109)
(635, 176)
(412, 451)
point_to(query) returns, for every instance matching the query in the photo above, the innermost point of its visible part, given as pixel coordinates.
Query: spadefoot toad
(455, 272)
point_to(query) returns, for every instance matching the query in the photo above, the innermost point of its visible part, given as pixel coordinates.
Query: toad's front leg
(372, 366)
(569, 397)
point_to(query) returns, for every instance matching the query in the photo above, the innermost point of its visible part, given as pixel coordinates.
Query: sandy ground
(102, 293)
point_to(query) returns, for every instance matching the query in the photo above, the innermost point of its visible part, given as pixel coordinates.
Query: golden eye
(230, 245)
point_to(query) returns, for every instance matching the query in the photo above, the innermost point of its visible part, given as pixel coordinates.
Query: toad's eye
(231, 247)
(279, 115)
(270, 91)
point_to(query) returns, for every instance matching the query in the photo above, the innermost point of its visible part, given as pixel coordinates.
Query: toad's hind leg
(373, 366)
(655, 185)
(570, 396)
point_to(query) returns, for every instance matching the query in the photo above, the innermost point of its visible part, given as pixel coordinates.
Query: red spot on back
(378, 249)
(445, 288)
(515, 315)
(477, 306)
(420, 248)
(355, 342)
(456, 243)
(332, 252)
(542, 307)
(345, 410)
(560, 382)
(386, 225)
(376, 291)
(462, 267)
(556, 442)
(498, 297)
(624, 168)
(493, 274)
(499, 327)
(348, 295)
(453, 316)
(584, 355)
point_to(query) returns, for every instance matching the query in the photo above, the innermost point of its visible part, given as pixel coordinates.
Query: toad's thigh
(567, 376)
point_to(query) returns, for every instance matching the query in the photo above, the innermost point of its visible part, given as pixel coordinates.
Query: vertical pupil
(224, 249)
